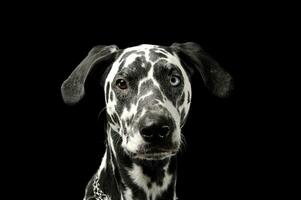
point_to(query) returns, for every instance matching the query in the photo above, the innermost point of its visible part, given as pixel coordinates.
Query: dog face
(148, 92)
(148, 96)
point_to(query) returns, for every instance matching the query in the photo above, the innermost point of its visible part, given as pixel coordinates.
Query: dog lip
(155, 156)
(154, 150)
(156, 153)
(153, 153)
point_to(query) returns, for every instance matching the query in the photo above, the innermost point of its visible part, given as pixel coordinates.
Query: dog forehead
(144, 54)
(144, 49)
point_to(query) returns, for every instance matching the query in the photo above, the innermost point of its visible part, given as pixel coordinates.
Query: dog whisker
(183, 144)
(101, 111)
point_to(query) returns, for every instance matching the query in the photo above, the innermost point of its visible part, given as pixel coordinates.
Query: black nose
(155, 128)
(155, 131)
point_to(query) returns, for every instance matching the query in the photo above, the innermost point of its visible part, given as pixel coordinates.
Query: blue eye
(175, 80)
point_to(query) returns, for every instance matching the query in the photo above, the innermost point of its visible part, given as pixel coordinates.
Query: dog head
(148, 92)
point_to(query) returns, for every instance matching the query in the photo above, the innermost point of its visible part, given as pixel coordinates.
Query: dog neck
(136, 178)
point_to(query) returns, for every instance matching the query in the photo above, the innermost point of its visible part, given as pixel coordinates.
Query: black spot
(145, 86)
(157, 94)
(111, 96)
(152, 99)
(153, 169)
(188, 97)
(124, 129)
(162, 74)
(142, 59)
(139, 60)
(149, 86)
(160, 64)
(148, 66)
(182, 116)
(169, 192)
(129, 121)
(138, 63)
(181, 101)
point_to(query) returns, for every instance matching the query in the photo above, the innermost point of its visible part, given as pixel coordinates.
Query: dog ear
(73, 88)
(216, 79)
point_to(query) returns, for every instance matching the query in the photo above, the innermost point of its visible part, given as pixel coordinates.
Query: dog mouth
(154, 154)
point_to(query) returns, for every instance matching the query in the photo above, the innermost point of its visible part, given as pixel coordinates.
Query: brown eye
(121, 83)
(175, 80)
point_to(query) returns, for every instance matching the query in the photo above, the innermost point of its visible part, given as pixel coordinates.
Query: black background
(231, 150)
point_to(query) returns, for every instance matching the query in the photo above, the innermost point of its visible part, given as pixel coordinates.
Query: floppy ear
(73, 88)
(216, 79)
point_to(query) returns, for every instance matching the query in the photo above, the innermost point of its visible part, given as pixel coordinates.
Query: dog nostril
(147, 132)
(155, 131)
(163, 132)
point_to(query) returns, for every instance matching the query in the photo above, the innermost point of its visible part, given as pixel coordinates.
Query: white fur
(128, 194)
(142, 180)
(103, 164)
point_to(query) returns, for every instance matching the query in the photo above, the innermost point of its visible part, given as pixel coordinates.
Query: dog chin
(153, 156)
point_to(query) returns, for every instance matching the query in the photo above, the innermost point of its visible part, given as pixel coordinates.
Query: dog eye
(175, 80)
(122, 84)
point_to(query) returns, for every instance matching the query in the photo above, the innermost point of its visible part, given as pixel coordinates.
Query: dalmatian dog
(148, 95)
